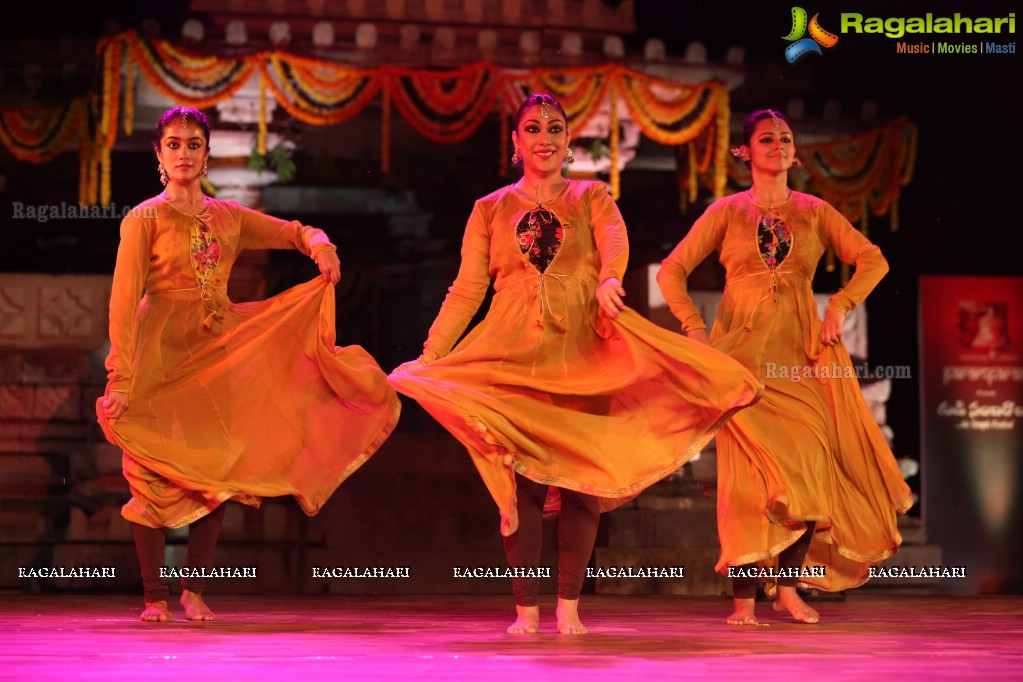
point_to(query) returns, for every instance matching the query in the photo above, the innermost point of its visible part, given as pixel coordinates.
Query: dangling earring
(163, 174)
(796, 162)
(205, 170)
(569, 155)
(517, 156)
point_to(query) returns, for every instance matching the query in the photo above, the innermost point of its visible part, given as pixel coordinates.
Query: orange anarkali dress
(546, 385)
(230, 401)
(809, 450)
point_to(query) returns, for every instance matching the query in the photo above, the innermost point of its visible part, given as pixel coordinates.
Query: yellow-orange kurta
(571, 398)
(231, 401)
(809, 450)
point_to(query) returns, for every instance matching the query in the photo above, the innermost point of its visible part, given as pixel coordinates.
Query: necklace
(538, 198)
(203, 207)
(766, 207)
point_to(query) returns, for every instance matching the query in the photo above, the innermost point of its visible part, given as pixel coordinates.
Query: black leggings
(202, 540)
(577, 531)
(790, 558)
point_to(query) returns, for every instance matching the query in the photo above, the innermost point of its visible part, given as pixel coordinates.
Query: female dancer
(561, 385)
(213, 401)
(805, 478)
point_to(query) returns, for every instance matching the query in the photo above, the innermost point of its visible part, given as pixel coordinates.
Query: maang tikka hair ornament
(184, 119)
(544, 112)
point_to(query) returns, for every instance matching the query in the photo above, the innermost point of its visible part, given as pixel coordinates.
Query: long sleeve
(852, 247)
(260, 231)
(130, 273)
(703, 238)
(468, 290)
(609, 233)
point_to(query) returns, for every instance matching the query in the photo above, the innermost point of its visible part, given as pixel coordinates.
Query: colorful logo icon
(801, 46)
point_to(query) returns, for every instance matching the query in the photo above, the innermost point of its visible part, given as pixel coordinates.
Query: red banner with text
(971, 354)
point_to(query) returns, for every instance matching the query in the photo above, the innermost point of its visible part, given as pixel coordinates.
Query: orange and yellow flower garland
(448, 106)
(37, 135)
(859, 175)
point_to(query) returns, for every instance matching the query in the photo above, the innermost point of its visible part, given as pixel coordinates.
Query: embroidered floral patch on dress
(774, 240)
(205, 252)
(540, 234)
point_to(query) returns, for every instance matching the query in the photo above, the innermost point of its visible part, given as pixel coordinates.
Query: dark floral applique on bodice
(774, 239)
(539, 234)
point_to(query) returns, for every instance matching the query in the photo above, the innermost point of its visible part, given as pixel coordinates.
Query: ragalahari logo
(801, 46)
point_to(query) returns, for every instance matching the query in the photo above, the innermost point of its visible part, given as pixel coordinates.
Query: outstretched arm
(261, 231)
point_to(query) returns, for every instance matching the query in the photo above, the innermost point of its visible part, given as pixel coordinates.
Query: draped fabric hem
(360, 459)
(136, 510)
(610, 498)
(823, 534)
(639, 486)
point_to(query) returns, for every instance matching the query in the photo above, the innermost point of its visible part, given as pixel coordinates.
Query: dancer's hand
(831, 327)
(330, 266)
(114, 404)
(699, 335)
(609, 297)
(411, 364)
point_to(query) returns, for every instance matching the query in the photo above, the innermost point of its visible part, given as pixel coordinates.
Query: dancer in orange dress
(805, 478)
(214, 401)
(562, 386)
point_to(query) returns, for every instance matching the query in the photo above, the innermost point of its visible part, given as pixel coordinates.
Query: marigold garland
(443, 106)
(318, 92)
(447, 106)
(186, 77)
(859, 175)
(38, 134)
(111, 60)
(580, 91)
(129, 94)
(261, 117)
(104, 180)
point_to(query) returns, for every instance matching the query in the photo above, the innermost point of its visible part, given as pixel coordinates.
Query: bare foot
(789, 600)
(155, 612)
(568, 617)
(195, 607)
(743, 613)
(527, 622)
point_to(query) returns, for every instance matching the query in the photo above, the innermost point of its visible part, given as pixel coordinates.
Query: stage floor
(870, 636)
